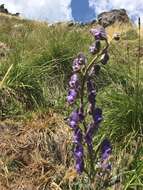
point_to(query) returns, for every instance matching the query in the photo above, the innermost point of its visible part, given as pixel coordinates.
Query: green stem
(88, 69)
(137, 75)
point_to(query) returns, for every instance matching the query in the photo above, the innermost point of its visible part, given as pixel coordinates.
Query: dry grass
(117, 28)
(35, 155)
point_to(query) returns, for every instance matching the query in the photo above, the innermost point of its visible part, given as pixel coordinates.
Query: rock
(2, 9)
(116, 15)
(5, 11)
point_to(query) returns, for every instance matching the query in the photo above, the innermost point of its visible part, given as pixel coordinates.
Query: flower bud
(95, 48)
(116, 36)
(97, 115)
(106, 151)
(74, 82)
(73, 119)
(77, 137)
(99, 33)
(72, 94)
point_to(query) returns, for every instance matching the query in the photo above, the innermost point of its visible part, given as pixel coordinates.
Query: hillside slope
(35, 141)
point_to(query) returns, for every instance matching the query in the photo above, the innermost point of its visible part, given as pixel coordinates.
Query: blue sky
(81, 11)
(65, 10)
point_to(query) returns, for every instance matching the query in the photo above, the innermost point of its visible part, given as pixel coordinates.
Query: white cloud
(134, 8)
(51, 10)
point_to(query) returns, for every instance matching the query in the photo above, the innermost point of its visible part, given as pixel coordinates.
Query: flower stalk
(82, 87)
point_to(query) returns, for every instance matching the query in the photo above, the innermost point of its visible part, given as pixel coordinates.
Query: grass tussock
(36, 154)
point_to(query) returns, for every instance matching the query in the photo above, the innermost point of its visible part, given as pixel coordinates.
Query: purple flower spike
(77, 137)
(82, 77)
(72, 94)
(99, 33)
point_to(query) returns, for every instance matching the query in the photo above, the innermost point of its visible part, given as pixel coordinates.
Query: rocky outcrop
(116, 15)
(106, 18)
(5, 11)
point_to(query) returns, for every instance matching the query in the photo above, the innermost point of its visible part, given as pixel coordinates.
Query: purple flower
(105, 58)
(91, 129)
(95, 48)
(79, 165)
(77, 137)
(90, 86)
(92, 49)
(97, 115)
(106, 151)
(99, 33)
(89, 135)
(74, 119)
(81, 59)
(78, 62)
(81, 114)
(72, 94)
(76, 66)
(91, 92)
(78, 151)
(74, 82)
